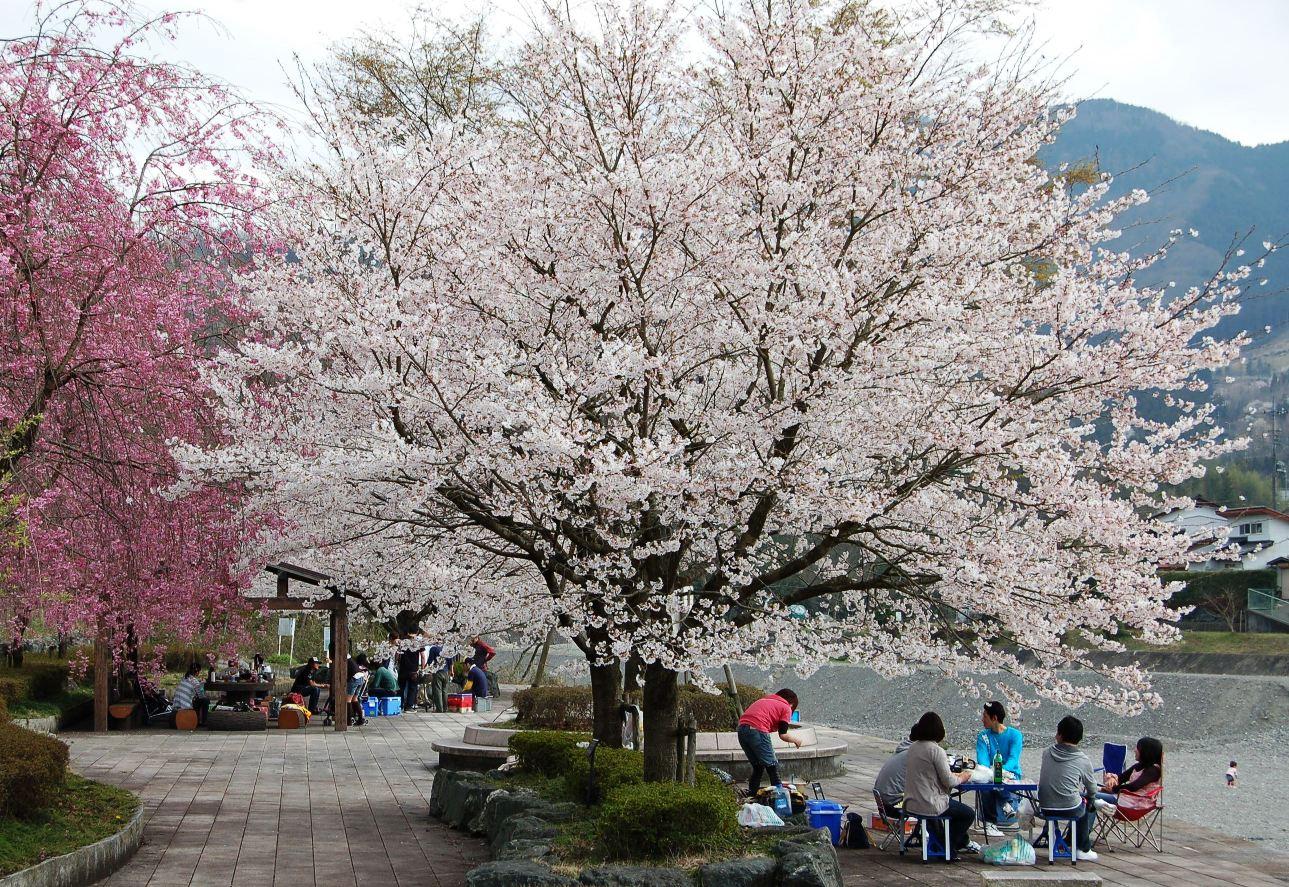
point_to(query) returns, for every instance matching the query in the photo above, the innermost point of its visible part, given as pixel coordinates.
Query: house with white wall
(1261, 534)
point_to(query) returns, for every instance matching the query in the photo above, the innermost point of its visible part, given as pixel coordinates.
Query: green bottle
(998, 768)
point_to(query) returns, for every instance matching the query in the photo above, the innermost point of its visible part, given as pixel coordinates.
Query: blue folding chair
(1113, 757)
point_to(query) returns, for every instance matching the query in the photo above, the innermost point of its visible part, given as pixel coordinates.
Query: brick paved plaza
(260, 809)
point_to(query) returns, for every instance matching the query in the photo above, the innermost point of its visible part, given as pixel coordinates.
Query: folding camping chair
(893, 819)
(1113, 757)
(1138, 820)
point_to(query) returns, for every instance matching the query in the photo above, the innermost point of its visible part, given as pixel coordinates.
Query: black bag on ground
(856, 835)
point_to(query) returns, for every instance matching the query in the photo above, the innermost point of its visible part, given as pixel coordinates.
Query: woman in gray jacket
(928, 781)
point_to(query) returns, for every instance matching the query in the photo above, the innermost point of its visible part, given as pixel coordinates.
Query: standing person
(1232, 775)
(769, 714)
(191, 693)
(410, 663)
(483, 653)
(440, 679)
(928, 781)
(998, 739)
(1067, 786)
(356, 670)
(308, 683)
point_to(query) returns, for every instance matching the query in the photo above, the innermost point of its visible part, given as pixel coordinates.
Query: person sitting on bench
(191, 694)
(383, 682)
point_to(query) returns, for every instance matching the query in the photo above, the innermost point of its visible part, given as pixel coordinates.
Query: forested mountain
(1198, 180)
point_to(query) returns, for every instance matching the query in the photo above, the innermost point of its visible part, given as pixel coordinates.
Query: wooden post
(691, 753)
(733, 687)
(102, 665)
(339, 663)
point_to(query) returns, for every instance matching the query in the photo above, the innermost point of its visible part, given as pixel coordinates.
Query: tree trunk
(541, 661)
(661, 707)
(606, 696)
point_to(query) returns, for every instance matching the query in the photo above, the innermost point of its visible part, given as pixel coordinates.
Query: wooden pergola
(339, 608)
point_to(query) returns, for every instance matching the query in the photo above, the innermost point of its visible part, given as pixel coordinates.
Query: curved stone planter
(484, 748)
(85, 865)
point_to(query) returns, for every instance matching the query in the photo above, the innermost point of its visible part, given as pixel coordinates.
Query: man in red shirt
(483, 653)
(769, 714)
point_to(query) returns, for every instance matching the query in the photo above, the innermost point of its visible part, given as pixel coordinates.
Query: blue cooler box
(391, 705)
(825, 814)
(371, 707)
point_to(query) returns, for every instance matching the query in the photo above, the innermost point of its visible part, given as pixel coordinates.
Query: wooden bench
(122, 714)
(185, 719)
(227, 719)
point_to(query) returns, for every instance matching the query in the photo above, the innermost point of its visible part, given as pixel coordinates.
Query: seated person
(308, 683)
(889, 783)
(476, 682)
(928, 780)
(191, 693)
(1148, 770)
(231, 671)
(263, 672)
(1066, 785)
(998, 739)
(383, 682)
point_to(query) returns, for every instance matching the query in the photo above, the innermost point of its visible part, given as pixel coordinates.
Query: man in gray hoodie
(1066, 784)
(889, 783)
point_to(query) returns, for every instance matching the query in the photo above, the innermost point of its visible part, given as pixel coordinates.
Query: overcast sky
(1216, 64)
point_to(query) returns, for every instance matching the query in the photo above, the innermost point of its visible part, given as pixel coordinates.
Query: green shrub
(46, 681)
(32, 767)
(657, 819)
(546, 752)
(614, 767)
(555, 708)
(13, 687)
(715, 712)
(279, 659)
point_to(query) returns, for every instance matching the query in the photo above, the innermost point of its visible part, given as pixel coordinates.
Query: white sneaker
(993, 831)
(1087, 856)
(972, 847)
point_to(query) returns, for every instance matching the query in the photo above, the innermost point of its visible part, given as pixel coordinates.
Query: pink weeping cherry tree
(127, 218)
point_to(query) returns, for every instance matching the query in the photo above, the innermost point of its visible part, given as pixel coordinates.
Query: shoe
(1087, 856)
(993, 831)
(972, 847)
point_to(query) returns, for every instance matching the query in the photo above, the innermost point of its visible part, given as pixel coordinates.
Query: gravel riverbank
(1205, 721)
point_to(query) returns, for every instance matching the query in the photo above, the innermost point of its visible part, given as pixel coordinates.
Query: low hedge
(32, 767)
(614, 767)
(658, 819)
(570, 708)
(37, 681)
(546, 752)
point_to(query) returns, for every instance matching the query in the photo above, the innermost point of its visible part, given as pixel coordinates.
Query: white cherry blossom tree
(674, 322)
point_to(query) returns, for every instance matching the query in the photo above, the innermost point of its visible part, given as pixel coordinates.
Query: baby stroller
(356, 718)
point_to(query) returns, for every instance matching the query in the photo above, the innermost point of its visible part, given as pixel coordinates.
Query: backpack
(855, 835)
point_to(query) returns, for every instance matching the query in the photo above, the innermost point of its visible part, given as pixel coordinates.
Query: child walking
(1232, 775)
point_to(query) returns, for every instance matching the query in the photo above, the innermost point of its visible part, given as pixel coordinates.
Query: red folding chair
(1138, 820)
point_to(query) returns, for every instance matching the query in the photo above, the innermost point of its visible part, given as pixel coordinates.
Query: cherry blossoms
(126, 215)
(672, 323)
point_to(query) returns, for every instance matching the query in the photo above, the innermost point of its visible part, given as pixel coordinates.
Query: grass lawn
(45, 708)
(83, 812)
(1223, 642)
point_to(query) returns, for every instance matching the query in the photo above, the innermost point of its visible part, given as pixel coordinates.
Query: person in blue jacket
(999, 808)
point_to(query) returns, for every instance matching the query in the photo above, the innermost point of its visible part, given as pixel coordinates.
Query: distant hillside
(1198, 180)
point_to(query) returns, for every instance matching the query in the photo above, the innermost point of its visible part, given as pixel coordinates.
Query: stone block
(515, 873)
(750, 872)
(808, 861)
(526, 848)
(1027, 876)
(501, 805)
(522, 826)
(634, 876)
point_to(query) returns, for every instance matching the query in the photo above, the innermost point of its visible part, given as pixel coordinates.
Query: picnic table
(239, 691)
(1027, 790)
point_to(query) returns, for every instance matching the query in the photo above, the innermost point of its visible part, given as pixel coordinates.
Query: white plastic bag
(758, 816)
(1017, 851)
